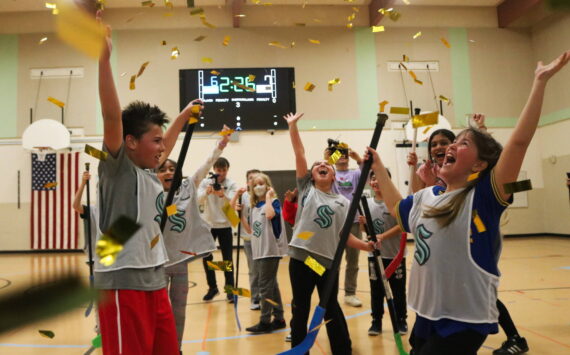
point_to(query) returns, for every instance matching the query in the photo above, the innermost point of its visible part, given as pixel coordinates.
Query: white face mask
(259, 190)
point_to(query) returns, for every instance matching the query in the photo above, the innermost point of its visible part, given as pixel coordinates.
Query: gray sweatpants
(351, 272)
(177, 278)
(269, 288)
(253, 279)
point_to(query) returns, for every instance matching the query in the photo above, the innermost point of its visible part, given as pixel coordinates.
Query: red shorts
(137, 322)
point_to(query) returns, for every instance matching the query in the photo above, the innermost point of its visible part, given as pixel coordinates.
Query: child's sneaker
(254, 306)
(376, 328)
(212, 292)
(288, 338)
(512, 346)
(260, 328)
(403, 327)
(278, 324)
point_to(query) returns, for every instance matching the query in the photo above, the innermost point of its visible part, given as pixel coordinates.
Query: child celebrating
(135, 313)
(387, 230)
(268, 246)
(455, 276)
(322, 213)
(185, 230)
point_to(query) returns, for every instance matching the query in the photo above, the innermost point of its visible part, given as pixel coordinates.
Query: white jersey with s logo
(264, 242)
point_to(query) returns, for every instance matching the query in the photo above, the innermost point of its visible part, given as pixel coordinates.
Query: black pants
(397, 284)
(505, 320)
(303, 282)
(224, 236)
(463, 343)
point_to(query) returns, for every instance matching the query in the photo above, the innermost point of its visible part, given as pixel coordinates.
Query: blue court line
(565, 267)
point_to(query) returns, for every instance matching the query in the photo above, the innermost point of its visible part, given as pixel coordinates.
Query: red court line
(206, 327)
(544, 336)
(537, 299)
(320, 347)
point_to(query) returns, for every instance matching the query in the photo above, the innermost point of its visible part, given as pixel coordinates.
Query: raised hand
(225, 138)
(292, 118)
(479, 120)
(412, 159)
(108, 48)
(545, 72)
(270, 194)
(291, 195)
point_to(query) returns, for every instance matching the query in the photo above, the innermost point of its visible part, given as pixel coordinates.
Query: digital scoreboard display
(242, 98)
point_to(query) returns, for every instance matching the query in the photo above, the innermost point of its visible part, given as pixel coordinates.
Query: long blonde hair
(254, 200)
(488, 150)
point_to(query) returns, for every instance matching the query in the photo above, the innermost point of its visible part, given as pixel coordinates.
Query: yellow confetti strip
(230, 213)
(240, 15)
(163, 43)
(132, 82)
(333, 82)
(226, 132)
(197, 11)
(271, 302)
(383, 105)
(53, 7)
(142, 68)
(171, 210)
(47, 333)
(215, 72)
(378, 29)
(319, 326)
(309, 87)
(225, 265)
(314, 265)
(306, 235)
(405, 58)
(41, 41)
(349, 25)
(445, 42)
(155, 240)
(334, 157)
(443, 98)
(355, 9)
(50, 185)
(251, 77)
(413, 75)
(518, 186)
(351, 17)
(168, 4)
(207, 60)
(206, 23)
(241, 292)
(148, 3)
(200, 38)
(427, 129)
(276, 44)
(107, 249)
(394, 15)
(425, 119)
(403, 66)
(174, 53)
(192, 120)
(314, 41)
(56, 102)
(478, 222)
(419, 82)
(195, 109)
(418, 34)
(473, 176)
(96, 153)
(226, 41)
(243, 87)
(79, 30)
(400, 110)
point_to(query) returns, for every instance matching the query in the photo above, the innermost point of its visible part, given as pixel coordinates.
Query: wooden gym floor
(535, 287)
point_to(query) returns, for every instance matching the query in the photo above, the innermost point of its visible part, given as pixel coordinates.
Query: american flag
(53, 223)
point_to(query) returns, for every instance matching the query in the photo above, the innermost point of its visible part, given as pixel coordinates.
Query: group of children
(454, 277)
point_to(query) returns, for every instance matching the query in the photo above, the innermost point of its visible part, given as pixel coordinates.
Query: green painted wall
(8, 85)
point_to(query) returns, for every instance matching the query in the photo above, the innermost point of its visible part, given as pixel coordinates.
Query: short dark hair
(444, 132)
(222, 163)
(138, 117)
(173, 162)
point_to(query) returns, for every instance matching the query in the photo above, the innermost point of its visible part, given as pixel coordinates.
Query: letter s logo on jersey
(378, 226)
(422, 249)
(177, 220)
(324, 220)
(257, 228)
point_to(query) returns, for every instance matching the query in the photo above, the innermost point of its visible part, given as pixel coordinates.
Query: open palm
(545, 72)
(292, 118)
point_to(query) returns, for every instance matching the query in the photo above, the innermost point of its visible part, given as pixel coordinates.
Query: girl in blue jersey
(454, 276)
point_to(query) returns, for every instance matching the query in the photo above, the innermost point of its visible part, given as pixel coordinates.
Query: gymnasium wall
(486, 70)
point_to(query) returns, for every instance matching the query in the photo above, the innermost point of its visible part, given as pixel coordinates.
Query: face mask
(259, 190)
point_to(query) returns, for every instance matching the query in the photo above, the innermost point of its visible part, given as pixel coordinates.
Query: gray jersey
(186, 230)
(444, 262)
(264, 243)
(383, 222)
(245, 212)
(322, 214)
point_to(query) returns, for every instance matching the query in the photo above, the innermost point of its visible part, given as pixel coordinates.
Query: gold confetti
(349, 25)
(142, 68)
(251, 77)
(351, 17)
(425, 119)
(148, 3)
(225, 265)
(413, 75)
(405, 58)
(241, 292)
(478, 222)
(314, 265)
(271, 302)
(163, 43)
(171, 210)
(320, 325)
(418, 34)
(110, 244)
(230, 213)
(200, 38)
(50, 185)
(419, 82)
(47, 333)
(403, 66)
(378, 29)
(518, 186)
(333, 82)
(226, 41)
(80, 31)
(243, 87)
(306, 235)
(174, 53)
(383, 105)
(407, 2)
(207, 60)
(192, 120)
(197, 11)
(215, 72)
(56, 102)
(394, 15)
(309, 87)
(355, 9)
(206, 23)
(276, 44)
(168, 4)
(132, 82)
(53, 7)
(314, 41)
(155, 240)
(400, 110)
(240, 15)
(473, 176)
(41, 41)
(317, 20)
(334, 157)
(443, 98)
(426, 129)
(96, 153)
(445, 42)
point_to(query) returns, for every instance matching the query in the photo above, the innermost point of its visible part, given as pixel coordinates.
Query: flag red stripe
(60, 209)
(32, 225)
(46, 220)
(53, 196)
(39, 220)
(68, 201)
(76, 217)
